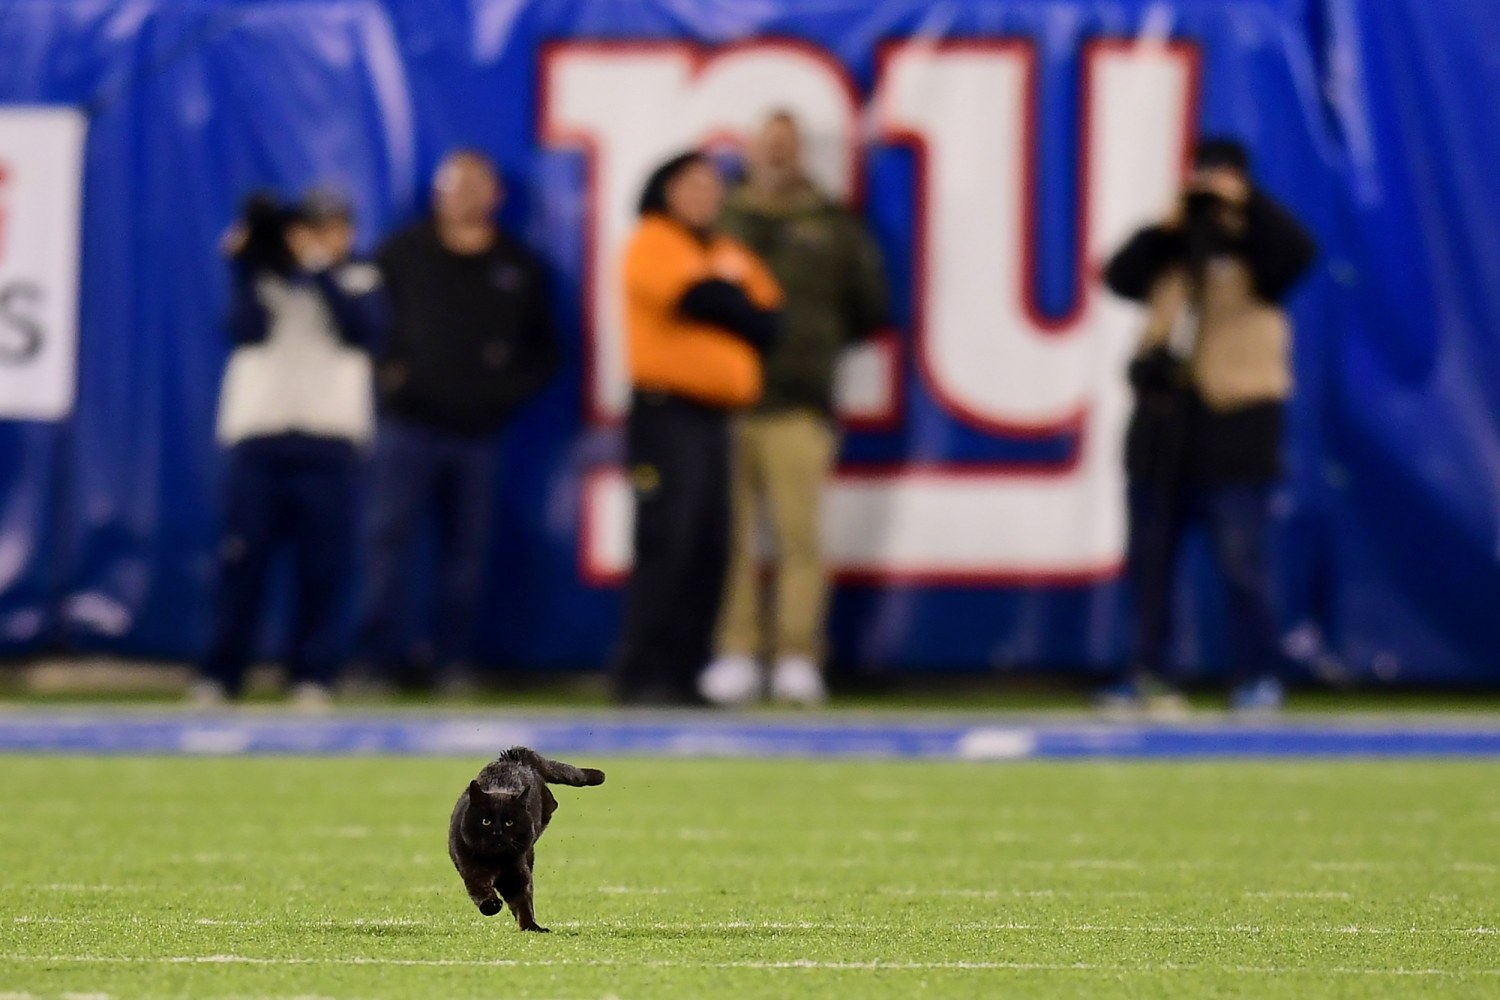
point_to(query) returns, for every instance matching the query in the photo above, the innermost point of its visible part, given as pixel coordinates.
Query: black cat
(496, 824)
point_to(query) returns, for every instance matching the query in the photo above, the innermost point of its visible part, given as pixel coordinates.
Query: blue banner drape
(1372, 120)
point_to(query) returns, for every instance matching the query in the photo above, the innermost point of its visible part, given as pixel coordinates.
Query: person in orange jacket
(700, 310)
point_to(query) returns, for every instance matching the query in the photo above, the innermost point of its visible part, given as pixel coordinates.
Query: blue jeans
(421, 472)
(300, 493)
(1237, 517)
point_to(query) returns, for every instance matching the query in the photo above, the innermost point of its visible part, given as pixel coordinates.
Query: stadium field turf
(328, 877)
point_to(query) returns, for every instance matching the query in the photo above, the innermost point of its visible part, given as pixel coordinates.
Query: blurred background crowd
(732, 354)
(737, 309)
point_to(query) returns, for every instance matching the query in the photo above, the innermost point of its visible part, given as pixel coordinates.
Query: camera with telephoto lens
(1203, 210)
(1206, 229)
(263, 224)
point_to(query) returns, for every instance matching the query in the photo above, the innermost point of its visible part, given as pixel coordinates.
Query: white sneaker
(797, 679)
(310, 697)
(206, 694)
(731, 680)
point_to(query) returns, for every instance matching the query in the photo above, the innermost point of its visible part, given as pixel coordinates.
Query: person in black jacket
(1212, 378)
(470, 341)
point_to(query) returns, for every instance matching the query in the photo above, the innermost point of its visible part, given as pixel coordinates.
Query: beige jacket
(1242, 354)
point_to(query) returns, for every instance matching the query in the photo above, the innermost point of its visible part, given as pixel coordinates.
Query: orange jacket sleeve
(657, 272)
(667, 351)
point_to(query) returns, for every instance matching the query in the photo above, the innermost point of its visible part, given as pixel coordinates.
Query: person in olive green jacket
(830, 271)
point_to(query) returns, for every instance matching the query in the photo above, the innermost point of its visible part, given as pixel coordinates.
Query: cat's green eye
(484, 822)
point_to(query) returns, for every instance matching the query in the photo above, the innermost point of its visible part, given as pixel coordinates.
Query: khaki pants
(781, 461)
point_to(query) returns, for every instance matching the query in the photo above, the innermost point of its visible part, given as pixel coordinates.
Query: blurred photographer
(295, 409)
(1211, 380)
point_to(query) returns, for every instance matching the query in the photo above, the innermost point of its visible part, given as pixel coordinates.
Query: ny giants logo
(4, 205)
(984, 352)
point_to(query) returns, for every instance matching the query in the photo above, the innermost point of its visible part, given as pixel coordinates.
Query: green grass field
(329, 878)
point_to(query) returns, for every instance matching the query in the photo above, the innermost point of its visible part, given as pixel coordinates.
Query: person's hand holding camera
(310, 251)
(1211, 192)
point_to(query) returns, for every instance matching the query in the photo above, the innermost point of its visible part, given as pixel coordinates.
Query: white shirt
(302, 378)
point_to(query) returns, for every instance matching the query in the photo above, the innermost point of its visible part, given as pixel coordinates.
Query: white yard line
(108, 887)
(1017, 893)
(216, 922)
(875, 966)
(816, 925)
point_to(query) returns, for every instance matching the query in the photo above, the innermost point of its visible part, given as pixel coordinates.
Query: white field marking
(803, 925)
(1106, 864)
(1278, 894)
(1476, 867)
(1009, 925)
(17, 996)
(705, 833)
(84, 996)
(1018, 893)
(79, 887)
(356, 922)
(630, 890)
(889, 836)
(301, 858)
(892, 792)
(107, 887)
(217, 922)
(801, 963)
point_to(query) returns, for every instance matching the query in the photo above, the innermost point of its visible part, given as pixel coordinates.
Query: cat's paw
(593, 776)
(490, 907)
(537, 929)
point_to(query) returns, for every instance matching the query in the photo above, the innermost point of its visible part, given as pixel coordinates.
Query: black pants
(297, 493)
(678, 458)
(1237, 517)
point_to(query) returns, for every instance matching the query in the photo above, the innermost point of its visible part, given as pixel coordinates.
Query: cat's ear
(475, 792)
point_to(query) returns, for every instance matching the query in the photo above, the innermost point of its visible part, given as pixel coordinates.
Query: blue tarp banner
(998, 148)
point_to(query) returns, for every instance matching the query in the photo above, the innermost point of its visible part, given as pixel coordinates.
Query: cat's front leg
(516, 887)
(482, 893)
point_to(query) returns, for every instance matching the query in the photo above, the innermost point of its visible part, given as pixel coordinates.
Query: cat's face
(497, 820)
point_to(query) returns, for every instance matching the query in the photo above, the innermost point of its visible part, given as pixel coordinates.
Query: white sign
(984, 352)
(41, 189)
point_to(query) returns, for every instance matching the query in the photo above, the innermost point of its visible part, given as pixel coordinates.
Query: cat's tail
(555, 772)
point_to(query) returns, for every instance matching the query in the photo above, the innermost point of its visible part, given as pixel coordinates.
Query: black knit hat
(1221, 151)
(654, 194)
